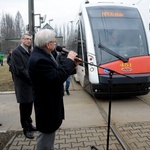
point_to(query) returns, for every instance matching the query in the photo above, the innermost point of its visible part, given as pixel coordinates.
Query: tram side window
(84, 51)
(79, 48)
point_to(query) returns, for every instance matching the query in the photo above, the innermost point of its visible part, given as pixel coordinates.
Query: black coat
(9, 61)
(61, 57)
(23, 87)
(47, 79)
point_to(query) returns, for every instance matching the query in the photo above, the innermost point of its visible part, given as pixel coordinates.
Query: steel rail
(113, 127)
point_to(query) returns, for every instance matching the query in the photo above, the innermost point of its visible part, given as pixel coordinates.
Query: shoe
(32, 128)
(67, 92)
(28, 134)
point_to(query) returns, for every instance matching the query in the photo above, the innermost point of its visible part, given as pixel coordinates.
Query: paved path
(82, 128)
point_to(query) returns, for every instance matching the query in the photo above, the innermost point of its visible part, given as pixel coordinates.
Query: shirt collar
(24, 48)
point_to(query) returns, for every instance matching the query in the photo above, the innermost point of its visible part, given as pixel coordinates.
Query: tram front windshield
(118, 28)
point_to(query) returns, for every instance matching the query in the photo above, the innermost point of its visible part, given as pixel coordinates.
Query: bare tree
(69, 37)
(19, 25)
(64, 34)
(56, 30)
(11, 31)
(60, 31)
(7, 32)
(7, 26)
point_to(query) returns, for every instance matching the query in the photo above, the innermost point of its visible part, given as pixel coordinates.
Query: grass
(6, 82)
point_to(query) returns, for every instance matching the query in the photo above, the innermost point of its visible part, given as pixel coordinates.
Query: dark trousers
(25, 114)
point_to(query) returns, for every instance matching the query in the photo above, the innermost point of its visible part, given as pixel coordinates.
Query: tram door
(81, 67)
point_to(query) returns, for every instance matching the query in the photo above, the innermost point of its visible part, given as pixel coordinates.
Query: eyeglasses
(53, 41)
(27, 39)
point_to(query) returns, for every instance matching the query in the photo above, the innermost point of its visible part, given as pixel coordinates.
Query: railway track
(124, 144)
(143, 100)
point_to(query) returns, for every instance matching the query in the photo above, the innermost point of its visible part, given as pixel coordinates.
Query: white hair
(43, 36)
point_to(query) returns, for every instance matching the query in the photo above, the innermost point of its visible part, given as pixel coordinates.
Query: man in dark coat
(47, 79)
(9, 62)
(23, 86)
(61, 56)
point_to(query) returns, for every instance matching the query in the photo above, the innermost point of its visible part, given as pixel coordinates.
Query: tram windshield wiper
(106, 49)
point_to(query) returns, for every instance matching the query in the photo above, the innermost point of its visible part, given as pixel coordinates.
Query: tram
(113, 41)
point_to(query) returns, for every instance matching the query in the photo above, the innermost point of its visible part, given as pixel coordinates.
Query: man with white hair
(47, 79)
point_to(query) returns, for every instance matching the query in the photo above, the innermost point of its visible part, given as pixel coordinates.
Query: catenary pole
(31, 19)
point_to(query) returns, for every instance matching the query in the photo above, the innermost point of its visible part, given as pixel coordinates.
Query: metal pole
(31, 19)
(109, 110)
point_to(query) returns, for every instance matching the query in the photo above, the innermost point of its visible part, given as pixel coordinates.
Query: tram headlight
(91, 69)
(96, 90)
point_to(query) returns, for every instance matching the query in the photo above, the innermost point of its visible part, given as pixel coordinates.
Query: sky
(61, 11)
